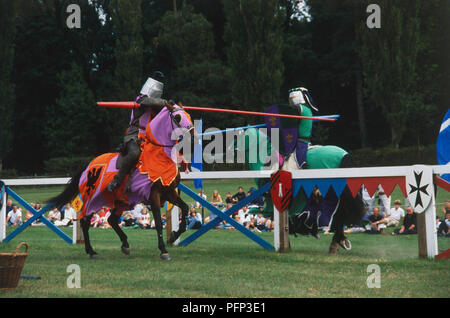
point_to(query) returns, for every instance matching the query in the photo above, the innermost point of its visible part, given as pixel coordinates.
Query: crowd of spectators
(376, 221)
(381, 217)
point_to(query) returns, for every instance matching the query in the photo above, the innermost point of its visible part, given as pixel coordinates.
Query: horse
(308, 214)
(152, 182)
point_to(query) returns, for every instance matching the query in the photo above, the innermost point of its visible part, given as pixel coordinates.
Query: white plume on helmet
(300, 96)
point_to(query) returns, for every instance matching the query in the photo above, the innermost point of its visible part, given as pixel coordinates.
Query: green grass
(226, 264)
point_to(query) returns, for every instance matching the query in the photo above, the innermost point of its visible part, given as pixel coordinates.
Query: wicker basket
(11, 265)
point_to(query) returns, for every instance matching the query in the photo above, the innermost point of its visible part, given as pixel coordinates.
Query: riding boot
(132, 155)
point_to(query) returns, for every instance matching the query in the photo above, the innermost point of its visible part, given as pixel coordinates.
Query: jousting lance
(132, 105)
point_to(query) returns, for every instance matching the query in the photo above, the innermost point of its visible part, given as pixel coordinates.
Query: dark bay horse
(153, 182)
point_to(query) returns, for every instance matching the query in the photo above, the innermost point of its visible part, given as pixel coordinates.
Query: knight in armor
(151, 103)
(302, 100)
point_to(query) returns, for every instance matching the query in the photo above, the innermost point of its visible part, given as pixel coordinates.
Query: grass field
(226, 264)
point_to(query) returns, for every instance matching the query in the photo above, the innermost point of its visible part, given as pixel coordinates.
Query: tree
(196, 75)
(253, 33)
(126, 17)
(389, 59)
(71, 122)
(7, 97)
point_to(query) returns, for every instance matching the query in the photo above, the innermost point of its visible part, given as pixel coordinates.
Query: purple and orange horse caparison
(153, 182)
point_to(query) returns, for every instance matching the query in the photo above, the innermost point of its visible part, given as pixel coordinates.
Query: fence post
(3, 215)
(426, 230)
(281, 230)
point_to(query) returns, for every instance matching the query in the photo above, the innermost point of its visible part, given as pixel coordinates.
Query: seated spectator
(409, 223)
(197, 204)
(443, 226)
(105, 223)
(256, 203)
(354, 228)
(394, 216)
(54, 215)
(263, 224)
(95, 220)
(136, 212)
(144, 219)
(9, 206)
(194, 220)
(240, 195)
(69, 216)
(374, 226)
(216, 199)
(14, 216)
(228, 198)
(129, 220)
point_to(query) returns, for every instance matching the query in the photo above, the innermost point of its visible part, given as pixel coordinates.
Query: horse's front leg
(182, 228)
(85, 224)
(156, 211)
(113, 220)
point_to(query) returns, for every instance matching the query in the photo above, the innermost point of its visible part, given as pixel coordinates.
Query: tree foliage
(387, 84)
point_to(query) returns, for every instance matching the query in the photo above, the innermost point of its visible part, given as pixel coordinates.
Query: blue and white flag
(197, 162)
(443, 144)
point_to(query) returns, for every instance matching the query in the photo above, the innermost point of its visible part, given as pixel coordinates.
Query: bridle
(173, 121)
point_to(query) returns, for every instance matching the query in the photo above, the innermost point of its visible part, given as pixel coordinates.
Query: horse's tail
(70, 192)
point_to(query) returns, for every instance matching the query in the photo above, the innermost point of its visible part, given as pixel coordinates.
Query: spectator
(374, 227)
(240, 195)
(144, 219)
(105, 223)
(54, 215)
(197, 204)
(9, 206)
(384, 200)
(95, 220)
(228, 198)
(194, 220)
(394, 216)
(443, 227)
(216, 199)
(14, 216)
(258, 202)
(409, 223)
(136, 212)
(69, 216)
(129, 220)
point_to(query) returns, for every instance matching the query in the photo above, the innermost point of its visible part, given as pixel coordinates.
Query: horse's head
(169, 125)
(180, 118)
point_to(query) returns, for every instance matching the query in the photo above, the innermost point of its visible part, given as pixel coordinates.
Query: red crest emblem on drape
(281, 189)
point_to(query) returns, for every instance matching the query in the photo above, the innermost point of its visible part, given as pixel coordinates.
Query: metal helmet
(152, 87)
(300, 95)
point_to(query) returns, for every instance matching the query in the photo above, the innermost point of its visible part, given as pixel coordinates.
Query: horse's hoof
(126, 250)
(93, 256)
(346, 244)
(165, 257)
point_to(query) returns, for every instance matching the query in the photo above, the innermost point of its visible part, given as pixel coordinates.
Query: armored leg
(132, 155)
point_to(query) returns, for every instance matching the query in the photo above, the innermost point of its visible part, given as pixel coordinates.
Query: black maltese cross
(418, 189)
